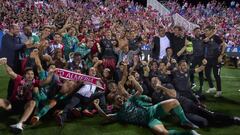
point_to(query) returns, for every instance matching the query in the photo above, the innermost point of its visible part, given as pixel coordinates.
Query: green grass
(229, 104)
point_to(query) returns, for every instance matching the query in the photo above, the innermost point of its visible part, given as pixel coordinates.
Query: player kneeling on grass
(138, 110)
(21, 98)
(51, 93)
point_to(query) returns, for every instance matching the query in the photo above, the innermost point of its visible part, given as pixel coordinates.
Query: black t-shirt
(176, 42)
(107, 49)
(198, 46)
(73, 66)
(181, 81)
(164, 78)
(213, 47)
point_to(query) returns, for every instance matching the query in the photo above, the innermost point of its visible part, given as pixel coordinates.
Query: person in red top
(22, 95)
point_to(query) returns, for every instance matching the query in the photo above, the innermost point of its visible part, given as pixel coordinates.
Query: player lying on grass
(137, 109)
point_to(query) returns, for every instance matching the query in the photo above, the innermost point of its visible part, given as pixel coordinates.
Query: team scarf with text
(69, 75)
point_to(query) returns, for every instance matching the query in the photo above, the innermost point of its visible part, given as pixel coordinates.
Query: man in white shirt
(85, 95)
(160, 44)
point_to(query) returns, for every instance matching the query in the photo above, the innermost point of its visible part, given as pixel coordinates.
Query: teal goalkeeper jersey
(136, 110)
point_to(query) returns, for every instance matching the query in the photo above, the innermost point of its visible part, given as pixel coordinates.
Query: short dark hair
(168, 48)
(28, 69)
(182, 61)
(57, 33)
(76, 54)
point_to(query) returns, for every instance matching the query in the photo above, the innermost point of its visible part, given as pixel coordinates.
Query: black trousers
(10, 88)
(197, 60)
(214, 66)
(202, 116)
(78, 99)
(189, 95)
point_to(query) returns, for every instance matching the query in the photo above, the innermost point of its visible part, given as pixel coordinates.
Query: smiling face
(137, 76)
(92, 71)
(57, 38)
(154, 66)
(162, 66)
(106, 72)
(183, 66)
(154, 82)
(118, 100)
(112, 87)
(29, 75)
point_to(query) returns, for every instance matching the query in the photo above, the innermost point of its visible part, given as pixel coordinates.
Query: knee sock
(36, 97)
(43, 111)
(180, 114)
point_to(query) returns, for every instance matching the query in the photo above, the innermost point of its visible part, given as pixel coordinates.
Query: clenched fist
(3, 61)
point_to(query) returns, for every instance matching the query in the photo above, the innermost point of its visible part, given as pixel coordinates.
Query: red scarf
(69, 75)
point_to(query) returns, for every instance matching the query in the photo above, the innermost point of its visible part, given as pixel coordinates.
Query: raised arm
(137, 86)
(183, 49)
(124, 75)
(8, 69)
(65, 26)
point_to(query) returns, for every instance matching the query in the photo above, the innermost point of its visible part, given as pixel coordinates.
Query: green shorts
(156, 113)
(154, 122)
(40, 96)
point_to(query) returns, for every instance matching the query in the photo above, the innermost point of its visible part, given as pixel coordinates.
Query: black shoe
(189, 125)
(236, 120)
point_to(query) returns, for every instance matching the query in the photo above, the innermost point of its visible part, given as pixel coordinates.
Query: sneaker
(193, 132)
(34, 120)
(236, 120)
(194, 86)
(211, 90)
(17, 128)
(218, 94)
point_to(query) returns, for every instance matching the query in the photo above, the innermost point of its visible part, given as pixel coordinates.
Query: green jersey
(135, 111)
(69, 42)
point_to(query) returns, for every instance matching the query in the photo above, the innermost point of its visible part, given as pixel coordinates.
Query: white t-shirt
(87, 90)
(164, 43)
